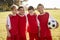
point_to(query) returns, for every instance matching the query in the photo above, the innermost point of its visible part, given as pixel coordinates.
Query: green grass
(55, 32)
(3, 16)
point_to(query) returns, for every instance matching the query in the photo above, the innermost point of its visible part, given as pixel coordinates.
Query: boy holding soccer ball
(44, 17)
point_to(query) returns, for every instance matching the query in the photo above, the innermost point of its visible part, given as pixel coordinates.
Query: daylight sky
(46, 3)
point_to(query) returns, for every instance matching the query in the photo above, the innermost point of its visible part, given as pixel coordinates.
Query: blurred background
(51, 6)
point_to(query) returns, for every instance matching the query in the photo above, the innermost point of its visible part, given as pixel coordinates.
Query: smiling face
(40, 8)
(21, 10)
(14, 10)
(31, 9)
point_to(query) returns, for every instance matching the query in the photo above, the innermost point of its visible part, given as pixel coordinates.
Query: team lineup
(38, 26)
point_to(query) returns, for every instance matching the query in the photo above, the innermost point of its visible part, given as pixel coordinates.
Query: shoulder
(38, 16)
(47, 12)
(28, 14)
(17, 14)
(35, 14)
(10, 15)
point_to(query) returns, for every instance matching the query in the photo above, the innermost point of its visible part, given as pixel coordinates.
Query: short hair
(40, 5)
(20, 7)
(14, 6)
(30, 8)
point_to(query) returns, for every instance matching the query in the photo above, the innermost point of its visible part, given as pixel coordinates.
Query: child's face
(14, 10)
(30, 11)
(40, 8)
(21, 11)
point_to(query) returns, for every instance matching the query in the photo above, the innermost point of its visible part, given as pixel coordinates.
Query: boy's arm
(8, 26)
(51, 18)
(38, 22)
(27, 24)
(38, 25)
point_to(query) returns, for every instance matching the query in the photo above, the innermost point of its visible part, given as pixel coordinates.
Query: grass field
(55, 32)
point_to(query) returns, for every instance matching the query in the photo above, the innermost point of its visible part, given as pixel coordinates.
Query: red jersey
(33, 27)
(43, 19)
(14, 24)
(22, 25)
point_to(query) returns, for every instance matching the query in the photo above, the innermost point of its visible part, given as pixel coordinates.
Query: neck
(14, 14)
(32, 13)
(42, 12)
(21, 15)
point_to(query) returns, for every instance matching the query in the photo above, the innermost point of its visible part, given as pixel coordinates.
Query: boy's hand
(39, 31)
(8, 34)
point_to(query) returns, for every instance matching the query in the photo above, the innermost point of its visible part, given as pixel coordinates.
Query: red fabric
(8, 38)
(46, 38)
(14, 27)
(44, 32)
(33, 27)
(22, 27)
(33, 36)
(13, 37)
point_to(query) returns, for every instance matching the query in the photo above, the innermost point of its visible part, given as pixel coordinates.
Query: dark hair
(30, 8)
(20, 7)
(40, 5)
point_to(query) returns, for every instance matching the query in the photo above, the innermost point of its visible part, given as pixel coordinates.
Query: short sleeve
(51, 18)
(37, 21)
(8, 22)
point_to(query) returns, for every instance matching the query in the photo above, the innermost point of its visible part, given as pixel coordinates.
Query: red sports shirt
(43, 20)
(33, 26)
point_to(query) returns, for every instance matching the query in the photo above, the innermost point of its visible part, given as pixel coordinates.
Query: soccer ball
(52, 24)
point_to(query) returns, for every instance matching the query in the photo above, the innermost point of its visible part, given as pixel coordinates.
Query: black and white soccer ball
(52, 24)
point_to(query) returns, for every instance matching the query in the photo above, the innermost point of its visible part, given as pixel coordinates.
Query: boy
(45, 33)
(33, 24)
(12, 25)
(44, 17)
(22, 23)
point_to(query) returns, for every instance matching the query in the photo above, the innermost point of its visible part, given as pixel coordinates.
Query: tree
(10, 2)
